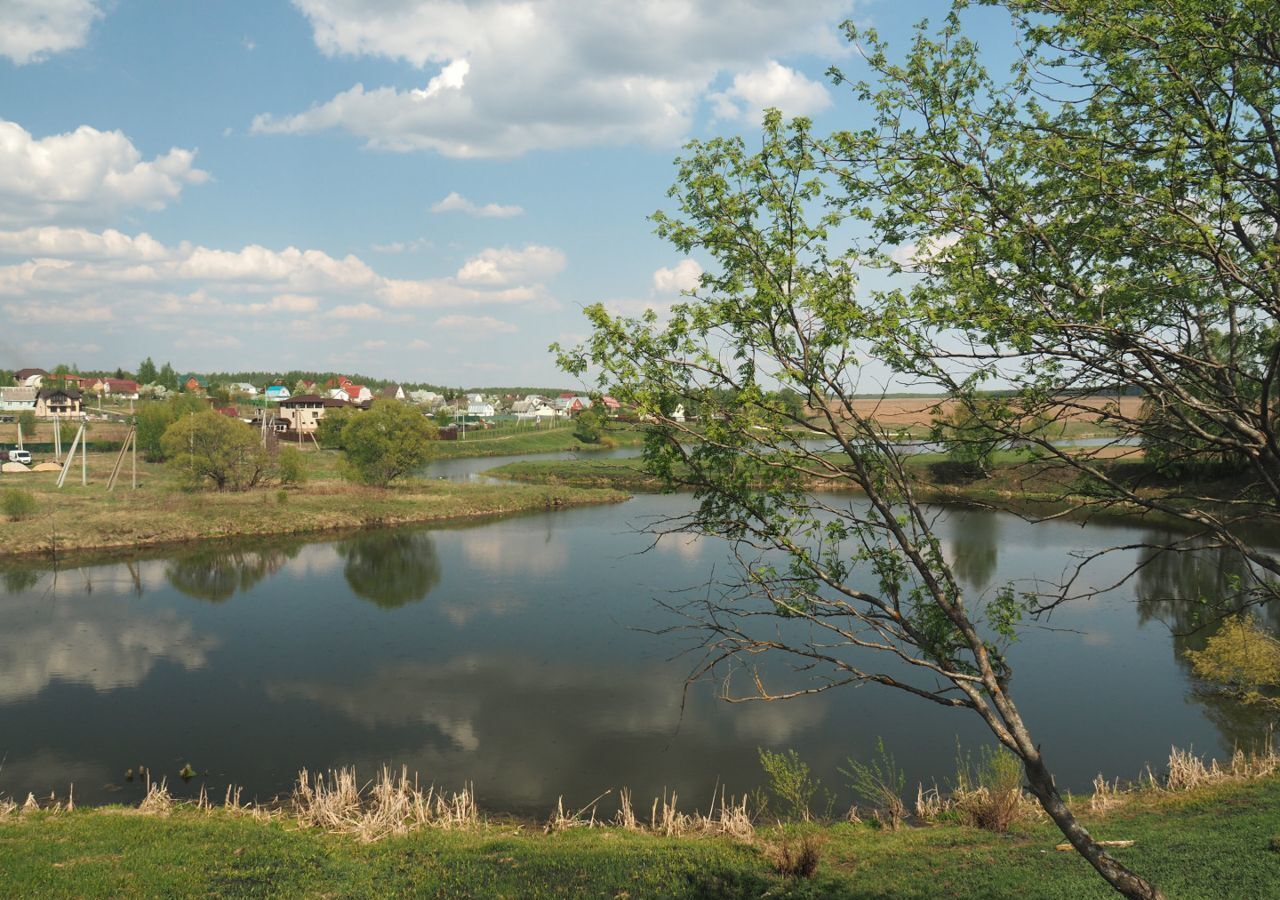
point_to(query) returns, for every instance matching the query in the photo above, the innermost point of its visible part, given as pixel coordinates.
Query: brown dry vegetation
(920, 411)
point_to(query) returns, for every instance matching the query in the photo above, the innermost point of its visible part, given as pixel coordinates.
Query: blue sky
(421, 191)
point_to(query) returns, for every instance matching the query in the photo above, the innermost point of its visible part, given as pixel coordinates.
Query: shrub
(989, 794)
(790, 783)
(879, 784)
(588, 425)
(291, 466)
(389, 441)
(210, 449)
(1242, 658)
(17, 504)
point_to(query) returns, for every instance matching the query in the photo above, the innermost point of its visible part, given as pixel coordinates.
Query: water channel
(519, 655)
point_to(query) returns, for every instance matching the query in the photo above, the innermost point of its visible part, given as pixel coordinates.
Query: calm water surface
(519, 655)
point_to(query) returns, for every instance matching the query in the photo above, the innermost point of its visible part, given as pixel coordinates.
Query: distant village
(291, 412)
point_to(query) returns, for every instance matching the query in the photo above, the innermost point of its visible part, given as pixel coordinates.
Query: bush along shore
(339, 836)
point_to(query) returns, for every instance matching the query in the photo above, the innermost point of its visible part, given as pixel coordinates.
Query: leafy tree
(329, 430)
(867, 578)
(589, 424)
(154, 418)
(167, 377)
(209, 449)
(6, 379)
(1243, 658)
(27, 421)
(147, 373)
(967, 438)
(388, 441)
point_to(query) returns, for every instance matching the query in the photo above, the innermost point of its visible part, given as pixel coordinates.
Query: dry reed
(391, 804)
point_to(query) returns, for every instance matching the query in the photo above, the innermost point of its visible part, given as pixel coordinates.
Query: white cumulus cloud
(683, 276)
(30, 30)
(84, 176)
(506, 266)
(510, 76)
(478, 325)
(774, 86)
(455, 202)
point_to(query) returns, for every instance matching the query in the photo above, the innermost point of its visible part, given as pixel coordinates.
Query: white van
(20, 456)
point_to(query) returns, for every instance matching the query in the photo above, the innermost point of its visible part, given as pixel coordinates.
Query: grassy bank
(1013, 480)
(512, 441)
(1213, 841)
(77, 518)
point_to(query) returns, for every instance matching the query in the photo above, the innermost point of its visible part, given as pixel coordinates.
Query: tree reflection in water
(391, 568)
(217, 574)
(975, 538)
(1191, 593)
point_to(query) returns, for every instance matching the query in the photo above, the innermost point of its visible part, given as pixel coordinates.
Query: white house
(243, 387)
(277, 392)
(677, 414)
(16, 399)
(480, 408)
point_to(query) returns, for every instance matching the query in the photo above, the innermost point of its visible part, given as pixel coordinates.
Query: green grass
(1212, 842)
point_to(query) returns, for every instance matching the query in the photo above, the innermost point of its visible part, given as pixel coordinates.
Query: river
(520, 655)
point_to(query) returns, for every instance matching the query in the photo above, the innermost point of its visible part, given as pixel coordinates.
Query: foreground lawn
(1209, 843)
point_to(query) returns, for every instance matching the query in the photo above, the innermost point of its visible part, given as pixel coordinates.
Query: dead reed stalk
(393, 803)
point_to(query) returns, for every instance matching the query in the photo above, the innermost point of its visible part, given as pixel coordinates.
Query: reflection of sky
(520, 654)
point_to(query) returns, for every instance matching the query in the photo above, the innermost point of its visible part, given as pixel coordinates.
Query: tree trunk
(1124, 881)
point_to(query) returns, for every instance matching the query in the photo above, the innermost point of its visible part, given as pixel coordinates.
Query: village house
(429, 399)
(195, 383)
(479, 407)
(276, 393)
(392, 392)
(243, 387)
(354, 393)
(31, 378)
(118, 388)
(17, 399)
(304, 412)
(63, 402)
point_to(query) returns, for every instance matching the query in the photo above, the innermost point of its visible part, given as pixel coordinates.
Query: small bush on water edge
(879, 784)
(790, 784)
(17, 504)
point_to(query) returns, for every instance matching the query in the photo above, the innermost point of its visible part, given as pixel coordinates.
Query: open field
(1217, 841)
(87, 517)
(914, 415)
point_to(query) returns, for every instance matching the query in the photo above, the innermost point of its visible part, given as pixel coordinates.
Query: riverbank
(515, 441)
(1014, 482)
(1218, 840)
(80, 518)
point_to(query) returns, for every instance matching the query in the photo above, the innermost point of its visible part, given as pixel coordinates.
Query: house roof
(24, 374)
(18, 394)
(353, 390)
(121, 385)
(49, 393)
(390, 390)
(196, 378)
